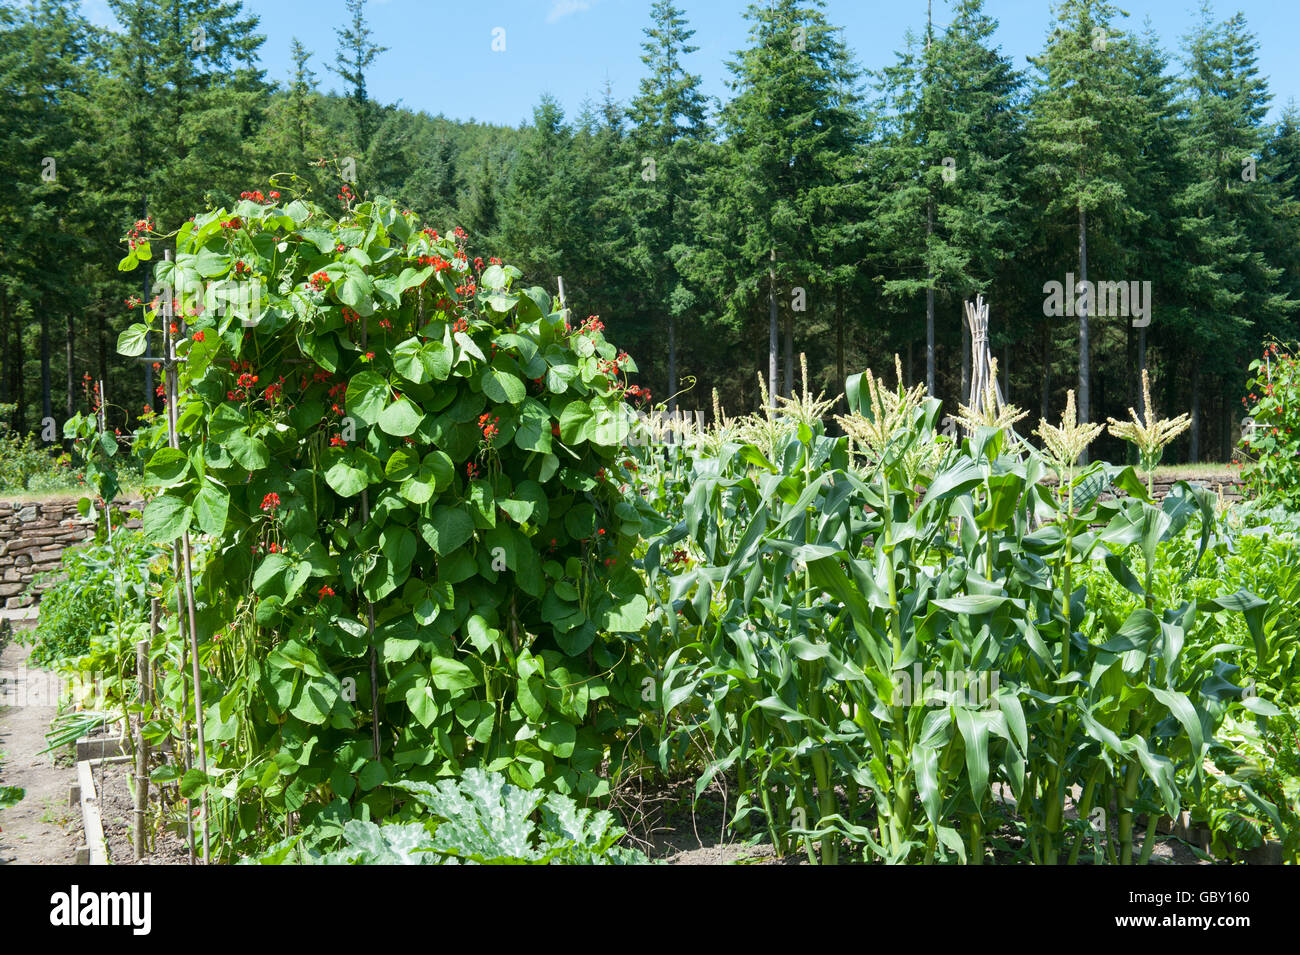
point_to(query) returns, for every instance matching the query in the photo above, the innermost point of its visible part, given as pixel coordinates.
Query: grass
(62, 494)
(55, 814)
(1197, 472)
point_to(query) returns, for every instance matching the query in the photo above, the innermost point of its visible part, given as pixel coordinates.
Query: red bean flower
(271, 502)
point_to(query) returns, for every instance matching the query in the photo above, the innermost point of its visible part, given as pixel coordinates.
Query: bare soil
(663, 822)
(117, 809)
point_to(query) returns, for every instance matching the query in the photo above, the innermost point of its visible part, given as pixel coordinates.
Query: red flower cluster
(244, 382)
(592, 324)
(198, 336)
(438, 262)
(461, 325)
(471, 470)
(639, 393)
(336, 441)
(469, 288)
(271, 502)
(494, 260)
(274, 391)
(478, 263)
(613, 366)
(326, 591)
(133, 301)
(345, 194)
(349, 316)
(385, 324)
(489, 426)
(319, 280)
(242, 268)
(256, 196)
(140, 228)
(232, 223)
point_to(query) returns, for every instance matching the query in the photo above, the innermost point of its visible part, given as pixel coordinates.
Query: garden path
(42, 828)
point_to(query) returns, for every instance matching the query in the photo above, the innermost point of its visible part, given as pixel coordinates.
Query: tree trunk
(908, 382)
(789, 356)
(5, 362)
(1130, 348)
(47, 405)
(1045, 405)
(103, 345)
(839, 337)
(1227, 430)
(71, 367)
(19, 390)
(1082, 401)
(1194, 432)
(672, 363)
(1142, 351)
(772, 341)
(929, 317)
(965, 359)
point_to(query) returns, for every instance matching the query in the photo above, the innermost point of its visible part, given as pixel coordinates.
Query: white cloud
(562, 8)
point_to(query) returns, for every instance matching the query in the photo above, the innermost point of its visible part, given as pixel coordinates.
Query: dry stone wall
(33, 536)
(1232, 489)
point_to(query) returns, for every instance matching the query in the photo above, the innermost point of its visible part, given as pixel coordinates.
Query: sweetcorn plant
(896, 664)
(1149, 433)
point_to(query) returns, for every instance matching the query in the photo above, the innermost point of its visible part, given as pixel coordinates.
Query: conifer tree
(355, 55)
(669, 126)
(1082, 143)
(788, 133)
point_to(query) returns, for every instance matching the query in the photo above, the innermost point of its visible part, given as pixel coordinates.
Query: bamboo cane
(142, 746)
(172, 389)
(370, 620)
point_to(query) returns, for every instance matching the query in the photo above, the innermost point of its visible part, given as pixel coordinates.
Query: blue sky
(443, 62)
